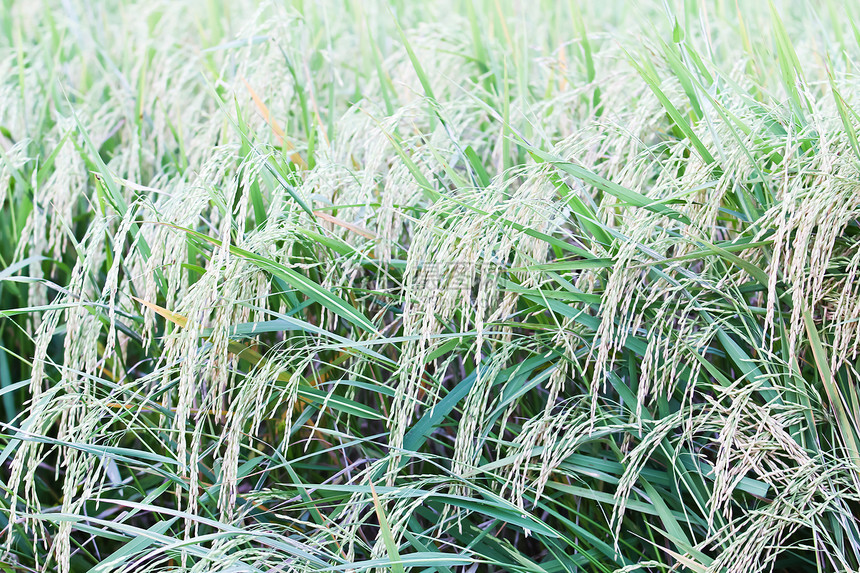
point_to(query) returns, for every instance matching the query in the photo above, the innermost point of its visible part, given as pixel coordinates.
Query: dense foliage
(451, 286)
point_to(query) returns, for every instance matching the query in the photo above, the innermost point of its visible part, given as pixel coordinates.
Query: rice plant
(445, 286)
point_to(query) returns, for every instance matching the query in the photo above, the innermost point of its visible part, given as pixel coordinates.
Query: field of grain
(453, 286)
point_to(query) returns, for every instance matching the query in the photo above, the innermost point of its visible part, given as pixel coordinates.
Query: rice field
(453, 286)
